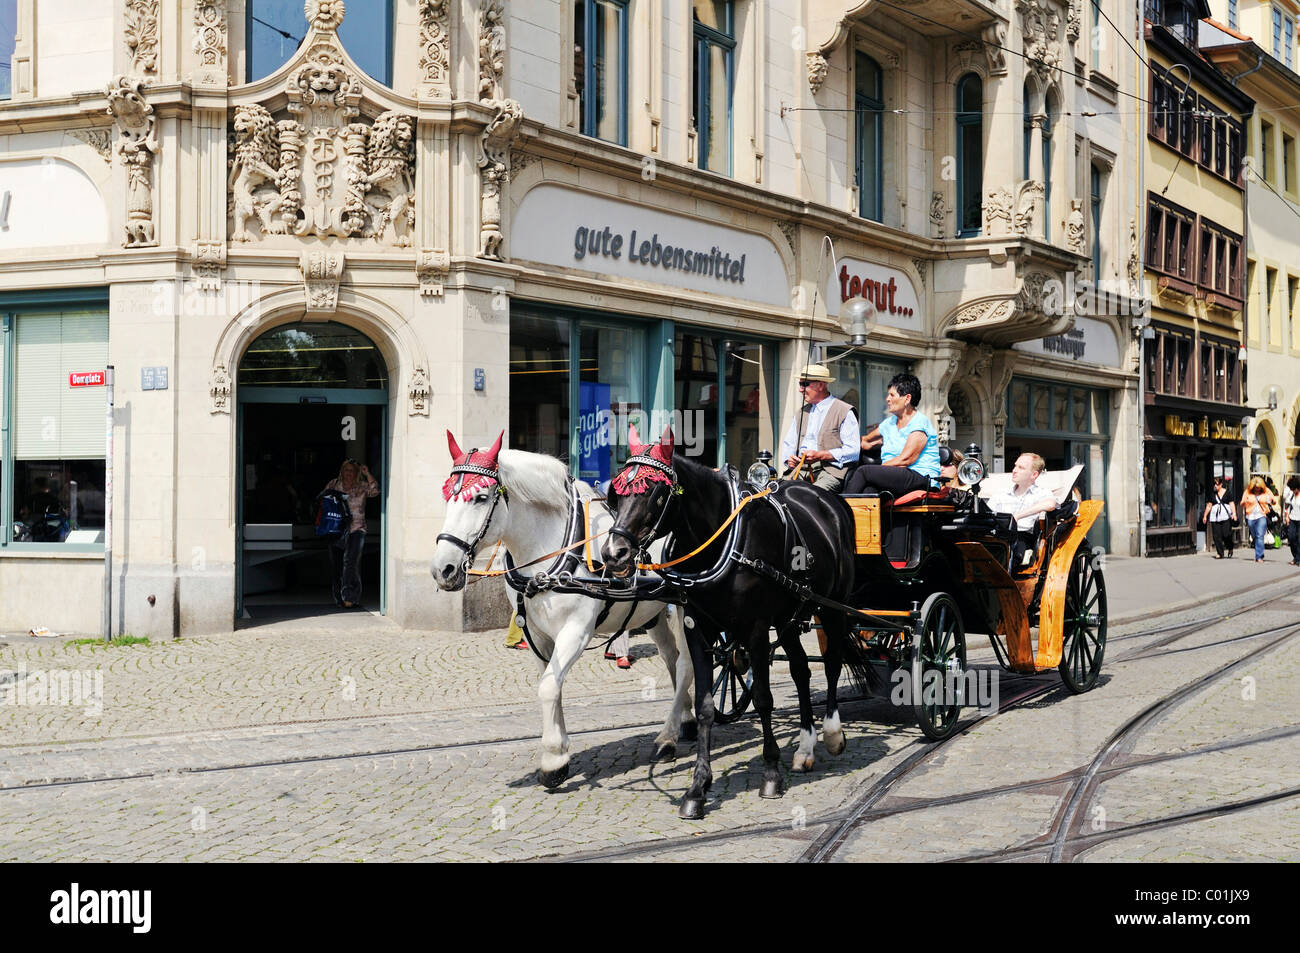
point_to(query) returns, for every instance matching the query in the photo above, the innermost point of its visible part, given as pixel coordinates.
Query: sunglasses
(808, 383)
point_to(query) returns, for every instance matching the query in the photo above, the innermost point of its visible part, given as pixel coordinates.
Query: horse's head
(476, 514)
(640, 497)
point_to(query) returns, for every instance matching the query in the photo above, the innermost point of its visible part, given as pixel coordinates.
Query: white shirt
(1292, 503)
(1013, 502)
(850, 435)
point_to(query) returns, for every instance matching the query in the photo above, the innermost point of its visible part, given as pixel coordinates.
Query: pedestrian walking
(1220, 514)
(1256, 503)
(1291, 516)
(345, 552)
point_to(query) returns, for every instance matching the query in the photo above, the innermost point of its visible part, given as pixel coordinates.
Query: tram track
(1083, 779)
(839, 823)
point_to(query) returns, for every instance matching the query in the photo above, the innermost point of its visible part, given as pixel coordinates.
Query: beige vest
(828, 438)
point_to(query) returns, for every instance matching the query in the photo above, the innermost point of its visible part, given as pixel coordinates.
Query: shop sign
(1204, 428)
(889, 289)
(1090, 341)
(576, 229)
(86, 379)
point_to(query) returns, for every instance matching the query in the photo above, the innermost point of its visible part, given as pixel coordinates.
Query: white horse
(531, 519)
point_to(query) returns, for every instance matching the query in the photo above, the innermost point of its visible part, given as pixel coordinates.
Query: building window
(715, 47)
(52, 403)
(1049, 125)
(970, 154)
(8, 32)
(869, 105)
(600, 39)
(273, 30)
(1095, 206)
(1098, 32)
(1029, 129)
(1266, 151)
(1266, 312)
(575, 383)
(1277, 33)
(1288, 163)
(1232, 14)
(1289, 38)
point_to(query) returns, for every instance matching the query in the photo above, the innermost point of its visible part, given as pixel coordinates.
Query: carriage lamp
(762, 471)
(858, 316)
(970, 471)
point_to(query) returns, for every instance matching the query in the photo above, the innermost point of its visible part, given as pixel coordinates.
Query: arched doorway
(310, 395)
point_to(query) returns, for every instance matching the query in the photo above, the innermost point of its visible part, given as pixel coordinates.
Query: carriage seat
(1058, 482)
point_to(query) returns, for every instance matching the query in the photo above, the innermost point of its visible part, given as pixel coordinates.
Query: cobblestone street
(314, 743)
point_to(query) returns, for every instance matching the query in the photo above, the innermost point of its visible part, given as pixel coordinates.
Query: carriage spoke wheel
(731, 681)
(1084, 636)
(938, 666)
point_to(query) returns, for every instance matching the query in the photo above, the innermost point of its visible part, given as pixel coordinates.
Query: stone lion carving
(255, 175)
(389, 157)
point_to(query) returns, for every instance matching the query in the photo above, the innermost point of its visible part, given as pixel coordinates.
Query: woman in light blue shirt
(909, 444)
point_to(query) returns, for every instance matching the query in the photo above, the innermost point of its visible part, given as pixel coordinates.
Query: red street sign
(86, 379)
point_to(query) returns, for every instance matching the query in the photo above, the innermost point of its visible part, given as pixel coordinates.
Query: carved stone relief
(435, 46)
(207, 261)
(101, 140)
(1074, 228)
(323, 173)
(432, 267)
(1133, 266)
(520, 160)
(137, 145)
(994, 36)
(219, 389)
(1041, 28)
(937, 215)
(491, 52)
(1074, 21)
(984, 312)
(1028, 195)
(321, 273)
(818, 68)
(997, 212)
(922, 266)
(497, 139)
(141, 33)
(419, 392)
(210, 42)
(791, 232)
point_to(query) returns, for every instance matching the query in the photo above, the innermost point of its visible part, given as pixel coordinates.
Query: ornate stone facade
(435, 48)
(419, 392)
(491, 52)
(817, 71)
(495, 164)
(322, 272)
(210, 42)
(137, 145)
(1041, 28)
(141, 35)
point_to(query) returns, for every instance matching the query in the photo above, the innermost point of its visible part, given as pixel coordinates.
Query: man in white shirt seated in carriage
(831, 433)
(1026, 500)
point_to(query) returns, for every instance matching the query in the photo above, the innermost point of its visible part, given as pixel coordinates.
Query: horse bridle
(471, 548)
(639, 544)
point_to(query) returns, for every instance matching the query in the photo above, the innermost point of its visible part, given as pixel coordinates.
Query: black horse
(798, 535)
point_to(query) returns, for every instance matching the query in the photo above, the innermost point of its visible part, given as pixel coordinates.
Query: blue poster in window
(593, 431)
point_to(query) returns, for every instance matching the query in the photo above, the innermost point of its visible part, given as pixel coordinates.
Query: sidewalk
(1142, 588)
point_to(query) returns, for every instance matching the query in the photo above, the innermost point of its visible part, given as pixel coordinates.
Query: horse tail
(862, 670)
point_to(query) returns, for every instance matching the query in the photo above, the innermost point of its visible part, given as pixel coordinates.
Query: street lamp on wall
(858, 318)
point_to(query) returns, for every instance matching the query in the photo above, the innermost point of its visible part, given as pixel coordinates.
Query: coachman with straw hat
(830, 432)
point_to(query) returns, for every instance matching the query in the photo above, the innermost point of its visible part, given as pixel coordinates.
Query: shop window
(1019, 404)
(970, 154)
(695, 380)
(274, 29)
(715, 46)
(53, 408)
(1165, 477)
(8, 32)
(869, 106)
(1042, 401)
(601, 45)
(610, 385)
(1179, 487)
(539, 384)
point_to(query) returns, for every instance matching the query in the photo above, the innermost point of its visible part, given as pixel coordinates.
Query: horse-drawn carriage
(933, 565)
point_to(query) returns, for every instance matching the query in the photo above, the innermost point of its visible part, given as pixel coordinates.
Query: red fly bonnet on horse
(470, 471)
(649, 463)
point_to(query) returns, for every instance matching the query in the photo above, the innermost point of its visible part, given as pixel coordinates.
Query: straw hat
(817, 372)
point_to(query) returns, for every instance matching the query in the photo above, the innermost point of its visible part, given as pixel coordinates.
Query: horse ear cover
(453, 447)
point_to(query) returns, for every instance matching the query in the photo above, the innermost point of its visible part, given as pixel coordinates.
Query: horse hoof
(689, 731)
(772, 787)
(692, 809)
(665, 752)
(835, 744)
(802, 764)
(553, 779)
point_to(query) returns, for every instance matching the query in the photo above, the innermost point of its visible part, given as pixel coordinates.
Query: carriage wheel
(1084, 635)
(732, 679)
(938, 665)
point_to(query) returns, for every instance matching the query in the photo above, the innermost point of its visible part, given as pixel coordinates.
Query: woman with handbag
(1256, 504)
(1220, 514)
(355, 482)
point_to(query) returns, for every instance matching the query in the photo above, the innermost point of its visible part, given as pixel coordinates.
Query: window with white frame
(869, 105)
(714, 70)
(8, 32)
(970, 154)
(274, 29)
(52, 409)
(601, 46)
(1277, 33)
(1232, 14)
